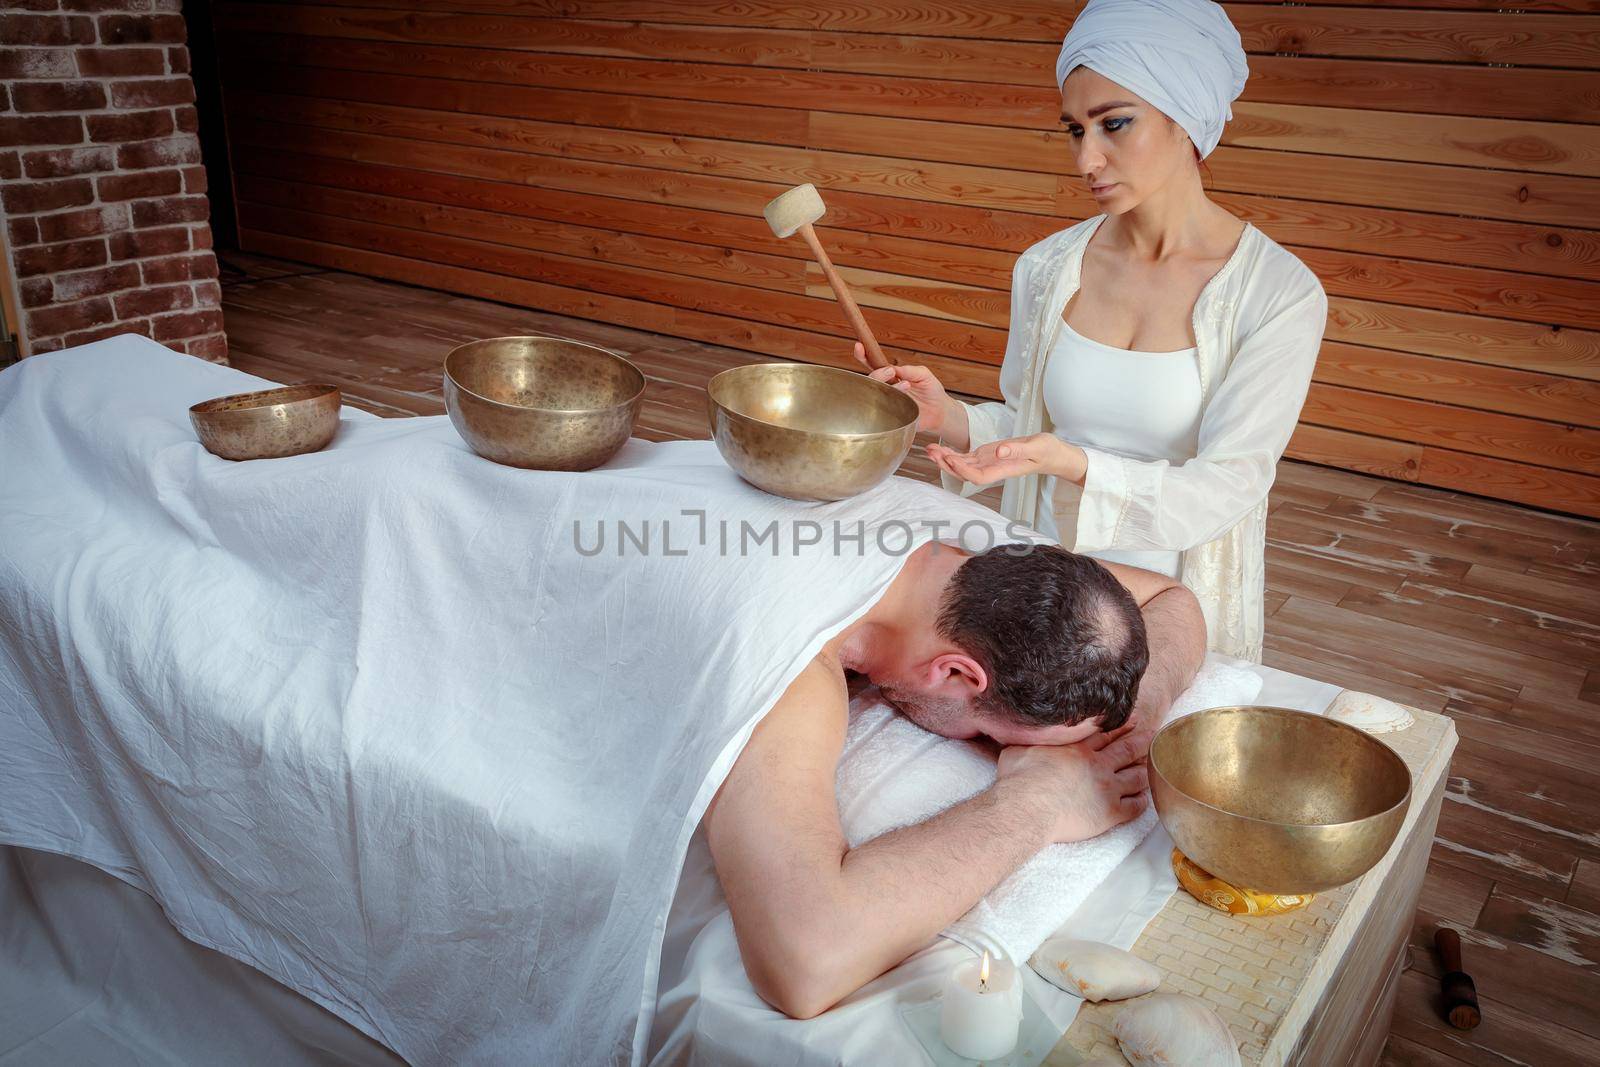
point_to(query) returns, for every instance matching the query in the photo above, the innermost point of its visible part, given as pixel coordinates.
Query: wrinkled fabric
(1182, 56)
(368, 719)
(91, 972)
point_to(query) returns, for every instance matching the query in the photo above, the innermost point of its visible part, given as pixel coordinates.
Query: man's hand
(1088, 787)
(1147, 718)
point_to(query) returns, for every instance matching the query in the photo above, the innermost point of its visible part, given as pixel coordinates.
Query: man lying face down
(1066, 662)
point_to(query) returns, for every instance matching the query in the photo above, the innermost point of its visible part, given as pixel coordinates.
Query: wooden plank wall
(1436, 162)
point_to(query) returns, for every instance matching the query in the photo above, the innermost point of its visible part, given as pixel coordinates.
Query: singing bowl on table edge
(1275, 800)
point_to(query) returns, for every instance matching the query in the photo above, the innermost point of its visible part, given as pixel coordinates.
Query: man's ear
(959, 668)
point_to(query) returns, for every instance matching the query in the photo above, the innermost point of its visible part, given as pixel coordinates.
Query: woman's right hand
(933, 403)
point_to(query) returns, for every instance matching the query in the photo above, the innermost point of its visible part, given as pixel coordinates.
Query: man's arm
(1175, 630)
(817, 920)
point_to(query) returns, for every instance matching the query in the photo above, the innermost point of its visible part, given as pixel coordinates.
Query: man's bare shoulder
(1143, 585)
(796, 745)
(812, 707)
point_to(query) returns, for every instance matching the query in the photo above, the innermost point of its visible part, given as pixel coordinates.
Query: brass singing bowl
(544, 403)
(807, 432)
(270, 423)
(1277, 801)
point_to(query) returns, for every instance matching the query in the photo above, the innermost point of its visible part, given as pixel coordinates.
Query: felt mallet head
(794, 212)
(794, 209)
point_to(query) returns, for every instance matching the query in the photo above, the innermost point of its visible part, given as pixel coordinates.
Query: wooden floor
(1486, 612)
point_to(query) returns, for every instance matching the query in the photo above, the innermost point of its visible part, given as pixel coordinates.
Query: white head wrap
(1183, 56)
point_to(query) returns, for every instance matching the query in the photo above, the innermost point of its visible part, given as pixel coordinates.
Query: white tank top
(1143, 405)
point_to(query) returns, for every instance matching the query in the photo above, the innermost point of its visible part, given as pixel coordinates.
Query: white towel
(894, 773)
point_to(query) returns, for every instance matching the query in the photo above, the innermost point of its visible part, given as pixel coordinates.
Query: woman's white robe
(1258, 326)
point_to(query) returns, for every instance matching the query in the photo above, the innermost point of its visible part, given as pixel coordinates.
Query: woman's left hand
(1039, 453)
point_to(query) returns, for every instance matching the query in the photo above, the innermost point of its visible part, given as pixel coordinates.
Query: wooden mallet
(794, 212)
(1460, 995)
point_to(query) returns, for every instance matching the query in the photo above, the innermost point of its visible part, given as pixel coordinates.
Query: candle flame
(983, 972)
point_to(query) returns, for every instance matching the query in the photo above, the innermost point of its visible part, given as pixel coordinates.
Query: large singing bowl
(807, 432)
(541, 402)
(1277, 801)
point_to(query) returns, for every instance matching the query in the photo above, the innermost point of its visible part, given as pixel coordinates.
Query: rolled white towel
(893, 773)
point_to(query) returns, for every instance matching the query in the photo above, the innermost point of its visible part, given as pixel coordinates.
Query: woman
(1159, 353)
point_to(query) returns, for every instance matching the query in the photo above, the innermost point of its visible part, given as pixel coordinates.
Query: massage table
(65, 995)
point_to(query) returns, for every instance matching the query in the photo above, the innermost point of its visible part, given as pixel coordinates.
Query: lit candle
(981, 1010)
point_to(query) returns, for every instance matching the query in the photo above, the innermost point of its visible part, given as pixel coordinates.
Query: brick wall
(101, 185)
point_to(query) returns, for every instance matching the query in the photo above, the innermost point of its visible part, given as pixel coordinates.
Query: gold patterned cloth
(1225, 896)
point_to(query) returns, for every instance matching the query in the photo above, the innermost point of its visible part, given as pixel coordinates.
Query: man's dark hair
(1061, 639)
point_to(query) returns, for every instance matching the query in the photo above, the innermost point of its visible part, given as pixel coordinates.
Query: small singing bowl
(1277, 801)
(269, 424)
(543, 403)
(807, 432)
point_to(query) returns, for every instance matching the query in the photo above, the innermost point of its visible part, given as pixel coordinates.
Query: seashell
(1371, 713)
(1093, 971)
(1174, 1030)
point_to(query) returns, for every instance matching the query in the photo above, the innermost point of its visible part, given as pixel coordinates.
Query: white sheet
(366, 719)
(93, 975)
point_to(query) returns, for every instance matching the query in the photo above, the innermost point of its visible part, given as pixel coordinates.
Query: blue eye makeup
(1109, 125)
